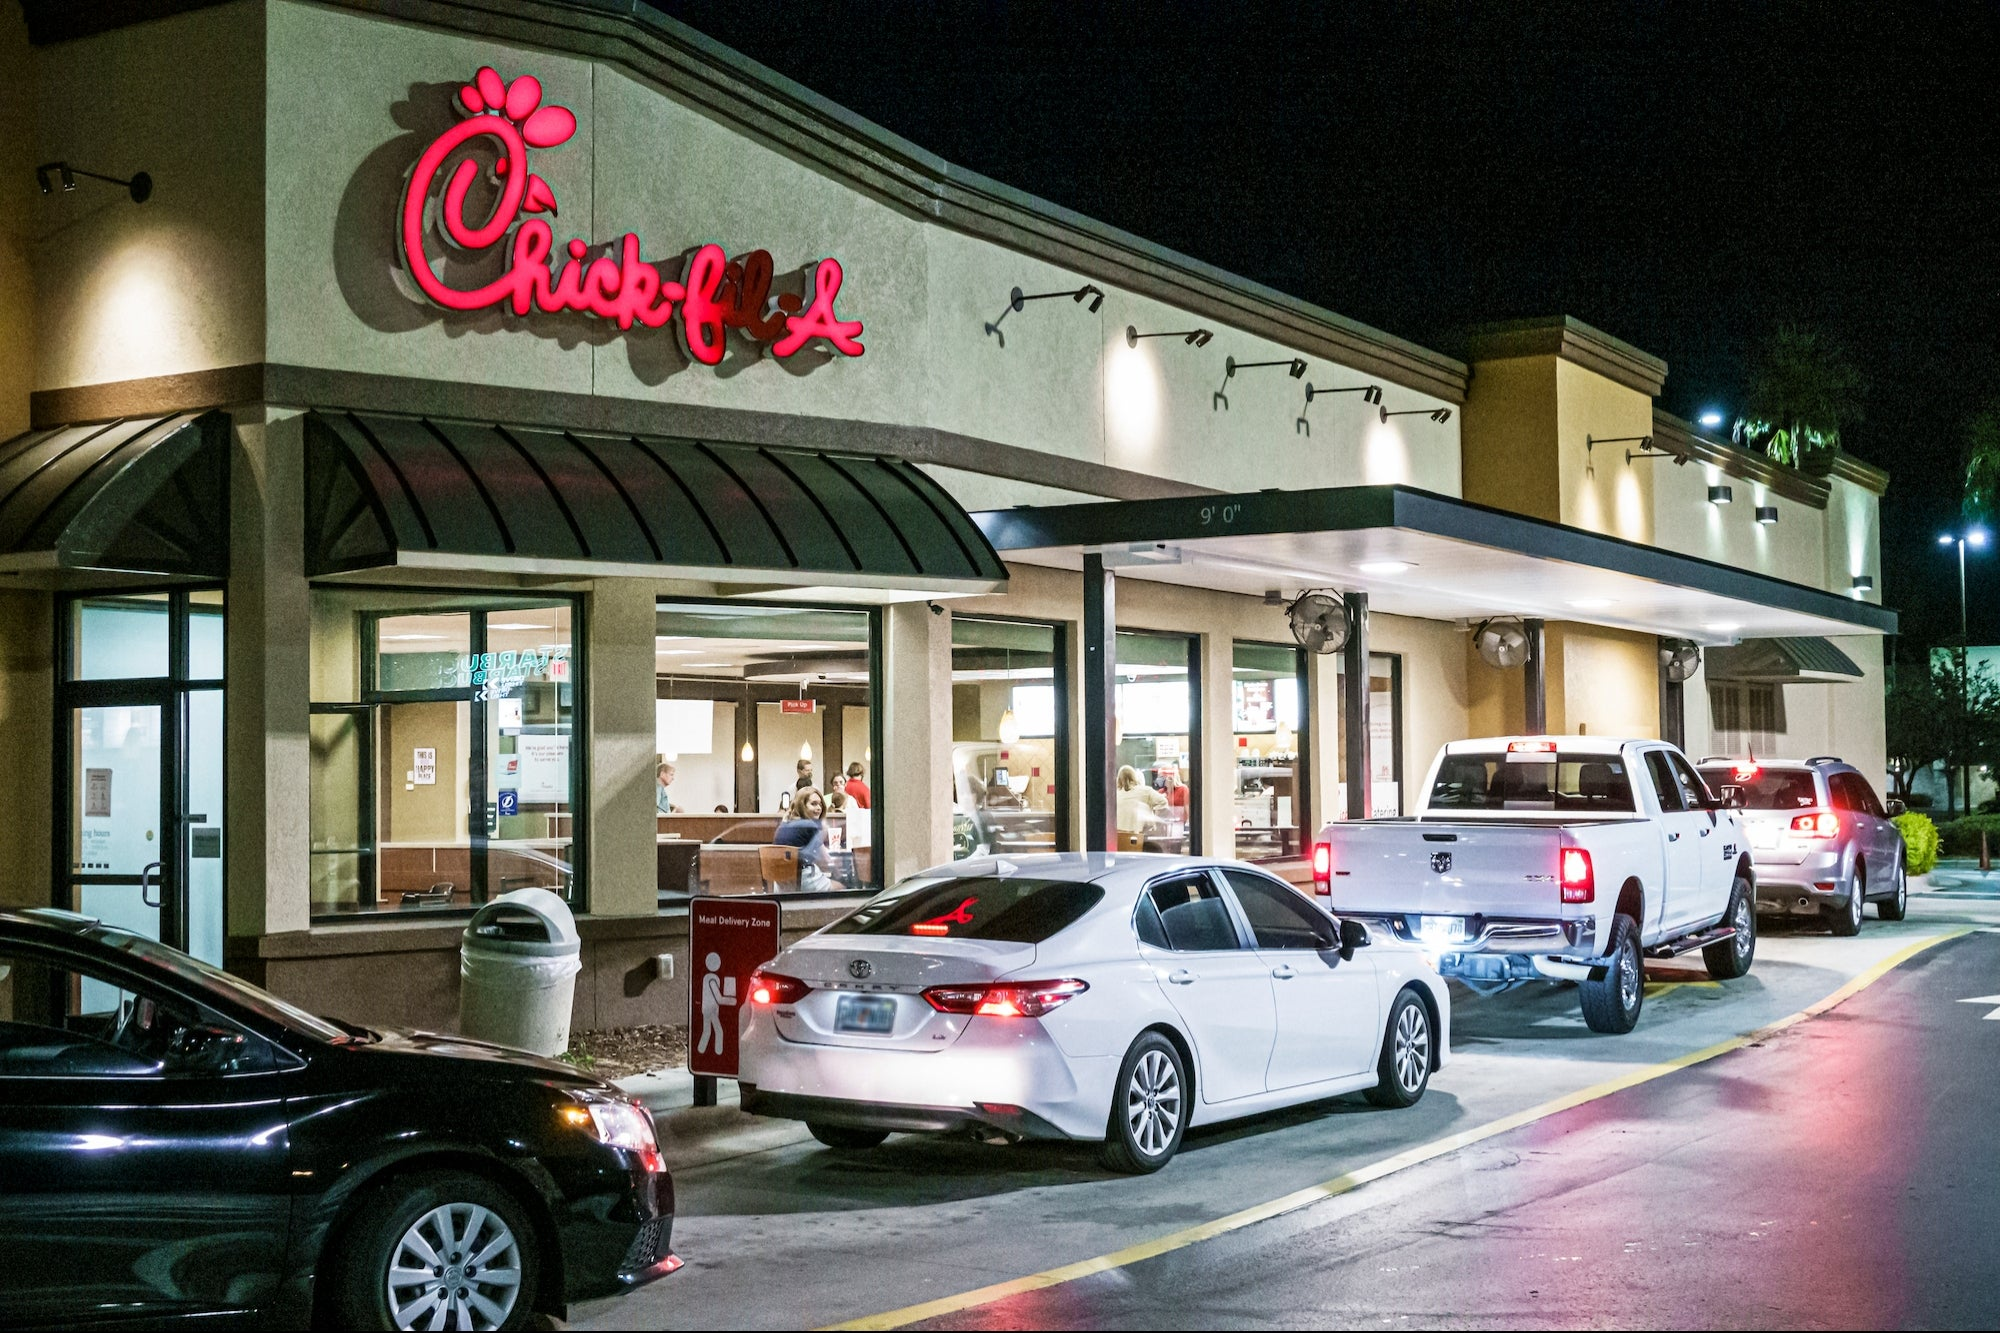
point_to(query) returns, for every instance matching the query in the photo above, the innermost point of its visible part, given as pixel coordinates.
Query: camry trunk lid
(867, 990)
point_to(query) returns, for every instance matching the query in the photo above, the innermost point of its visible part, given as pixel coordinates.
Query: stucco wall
(1601, 490)
(1797, 548)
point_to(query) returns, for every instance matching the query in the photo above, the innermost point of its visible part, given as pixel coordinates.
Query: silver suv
(1820, 840)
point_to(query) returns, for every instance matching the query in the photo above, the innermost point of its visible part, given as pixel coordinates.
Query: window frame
(1245, 940)
(1065, 788)
(1302, 787)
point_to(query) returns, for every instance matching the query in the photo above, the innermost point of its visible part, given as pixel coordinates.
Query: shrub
(1920, 842)
(1961, 836)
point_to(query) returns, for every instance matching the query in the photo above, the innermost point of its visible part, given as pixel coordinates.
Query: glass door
(117, 828)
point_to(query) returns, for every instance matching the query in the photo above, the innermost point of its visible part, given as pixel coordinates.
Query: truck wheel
(1846, 918)
(1897, 907)
(1612, 1005)
(1405, 1066)
(1730, 958)
(842, 1138)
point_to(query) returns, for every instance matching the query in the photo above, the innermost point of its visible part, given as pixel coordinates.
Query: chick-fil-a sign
(713, 294)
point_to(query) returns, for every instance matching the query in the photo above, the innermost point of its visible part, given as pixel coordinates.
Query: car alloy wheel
(1413, 1047)
(1153, 1103)
(1857, 899)
(458, 1266)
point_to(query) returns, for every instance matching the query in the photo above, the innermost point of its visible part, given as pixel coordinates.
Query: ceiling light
(1010, 728)
(515, 624)
(1721, 495)
(1384, 568)
(409, 638)
(670, 638)
(1591, 603)
(1722, 626)
(711, 664)
(748, 754)
(1767, 514)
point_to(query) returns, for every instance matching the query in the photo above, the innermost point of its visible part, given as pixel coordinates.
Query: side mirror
(1897, 808)
(1353, 935)
(1734, 799)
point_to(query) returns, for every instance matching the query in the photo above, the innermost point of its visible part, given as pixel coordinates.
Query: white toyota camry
(1119, 998)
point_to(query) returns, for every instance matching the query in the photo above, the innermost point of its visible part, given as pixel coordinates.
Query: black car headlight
(617, 1123)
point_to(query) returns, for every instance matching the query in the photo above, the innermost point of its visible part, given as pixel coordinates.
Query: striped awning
(386, 490)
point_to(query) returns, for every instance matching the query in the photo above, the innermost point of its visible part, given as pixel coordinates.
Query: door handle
(146, 879)
(1705, 832)
(1673, 837)
(1180, 976)
(1283, 972)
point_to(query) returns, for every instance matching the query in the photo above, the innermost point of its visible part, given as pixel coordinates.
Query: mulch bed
(622, 1052)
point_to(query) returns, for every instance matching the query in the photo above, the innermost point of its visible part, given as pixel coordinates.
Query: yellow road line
(1221, 1226)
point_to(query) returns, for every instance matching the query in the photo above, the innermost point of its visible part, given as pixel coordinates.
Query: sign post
(728, 939)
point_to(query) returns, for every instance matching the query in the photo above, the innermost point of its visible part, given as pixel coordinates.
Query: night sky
(1683, 178)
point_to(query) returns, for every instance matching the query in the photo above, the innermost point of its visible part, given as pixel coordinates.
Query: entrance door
(141, 769)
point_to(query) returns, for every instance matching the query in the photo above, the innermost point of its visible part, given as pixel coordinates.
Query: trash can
(517, 972)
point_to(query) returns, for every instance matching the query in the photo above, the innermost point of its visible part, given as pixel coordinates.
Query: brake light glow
(776, 988)
(1745, 772)
(1322, 867)
(1531, 747)
(1579, 880)
(1825, 824)
(1014, 999)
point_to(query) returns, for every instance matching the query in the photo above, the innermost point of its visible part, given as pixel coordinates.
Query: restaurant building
(376, 547)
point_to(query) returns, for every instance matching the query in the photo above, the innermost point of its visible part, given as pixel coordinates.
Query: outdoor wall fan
(1679, 658)
(1319, 621)
(1501, 643)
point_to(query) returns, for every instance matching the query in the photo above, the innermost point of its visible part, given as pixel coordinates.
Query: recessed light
(1383, 567)
(516, 624)
(1723, 626)
(1591, 603)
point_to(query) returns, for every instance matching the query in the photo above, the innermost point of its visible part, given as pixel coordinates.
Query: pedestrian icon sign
(728, 939)
(717, 994)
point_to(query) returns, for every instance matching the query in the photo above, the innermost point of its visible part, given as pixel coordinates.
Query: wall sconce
(1439, 415)
(1645, 449)
(49, 174)
(1192, 337)
(1370, 393)
(1767, 514)
(1720, 495)
(1862, 585)
(1016, 298)
(1231, 365)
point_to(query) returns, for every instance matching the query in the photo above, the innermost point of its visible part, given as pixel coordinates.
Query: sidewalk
(1958, 877)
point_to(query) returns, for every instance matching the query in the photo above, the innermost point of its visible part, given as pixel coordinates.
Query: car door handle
(1283, 972)
(1705, 832)
(1673, 837)
(1181, 977)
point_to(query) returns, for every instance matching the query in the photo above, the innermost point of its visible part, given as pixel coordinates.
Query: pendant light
(1282, 740)
(1010, 728)
(748, 754)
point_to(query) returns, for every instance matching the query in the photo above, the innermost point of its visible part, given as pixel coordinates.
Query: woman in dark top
(806, 830)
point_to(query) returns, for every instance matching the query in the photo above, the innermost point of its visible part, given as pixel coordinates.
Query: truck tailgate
(1453, 869)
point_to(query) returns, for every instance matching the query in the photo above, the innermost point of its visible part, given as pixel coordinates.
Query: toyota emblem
(1440, 862)
(860, 969)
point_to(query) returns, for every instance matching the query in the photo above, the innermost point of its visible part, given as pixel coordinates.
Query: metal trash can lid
(526, 921)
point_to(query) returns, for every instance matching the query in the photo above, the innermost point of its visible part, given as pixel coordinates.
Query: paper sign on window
(424, 771)
(97, 793)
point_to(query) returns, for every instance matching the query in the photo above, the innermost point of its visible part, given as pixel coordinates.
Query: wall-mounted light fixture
(1370, 393)
(1017, 298)
(1767, 514)
(1645, 449)
(1192, 337)
(1862, 585)
(51, 174)
(1297, 367)
(1437, 414)
(1721, 495)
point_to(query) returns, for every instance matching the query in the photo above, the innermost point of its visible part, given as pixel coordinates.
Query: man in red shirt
(856, 789)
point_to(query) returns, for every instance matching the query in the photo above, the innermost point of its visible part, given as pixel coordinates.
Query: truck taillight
(1323, 867)
(1579, 883)
(1825, 824)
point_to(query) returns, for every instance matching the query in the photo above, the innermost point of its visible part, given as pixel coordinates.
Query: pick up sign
(728, 939)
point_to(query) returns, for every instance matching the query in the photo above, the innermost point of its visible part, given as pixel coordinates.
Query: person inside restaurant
(805, 829)
(1140, 808)
(664, 794)
(857, 785)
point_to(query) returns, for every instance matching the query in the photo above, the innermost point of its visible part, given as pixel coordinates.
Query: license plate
(864, 1013)
(1444, 929)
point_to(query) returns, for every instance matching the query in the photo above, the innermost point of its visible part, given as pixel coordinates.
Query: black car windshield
(1766, 788)
(1587, 784)
(215, 981)
(1018, 911)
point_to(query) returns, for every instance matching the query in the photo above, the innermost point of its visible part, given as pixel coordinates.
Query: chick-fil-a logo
(714, 293)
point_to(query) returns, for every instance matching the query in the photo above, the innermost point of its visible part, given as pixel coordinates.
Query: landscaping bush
(1961, 836)
(1920, 842)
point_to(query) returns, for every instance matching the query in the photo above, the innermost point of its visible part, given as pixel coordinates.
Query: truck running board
(1689, 943)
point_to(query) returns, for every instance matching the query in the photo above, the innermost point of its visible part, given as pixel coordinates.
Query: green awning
(1800, 661)
(387, 491)
(140, 495)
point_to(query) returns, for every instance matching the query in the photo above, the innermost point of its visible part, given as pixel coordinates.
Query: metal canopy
(1416, 553)
(140, 495)
(1783, 662)
(415, 492)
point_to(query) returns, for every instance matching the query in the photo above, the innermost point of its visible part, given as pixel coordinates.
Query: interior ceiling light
(139, 185)
(1437, 414)
(1721, 495)
(410, 638)
(1384, 567)
(748, 754)
(1192, 337)
(1370, 393)
(1296, 368)
(516, 624)
(1010, 728)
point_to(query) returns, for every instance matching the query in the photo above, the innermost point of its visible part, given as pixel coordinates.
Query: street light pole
(1973, 537)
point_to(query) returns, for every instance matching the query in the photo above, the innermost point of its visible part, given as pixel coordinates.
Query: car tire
(1612, 1005)
(1897, 906)
(1404, 1070)
(843, 1138)
(426, 1214)
(1150, 1106)
(1731, 958)
(1845, 919)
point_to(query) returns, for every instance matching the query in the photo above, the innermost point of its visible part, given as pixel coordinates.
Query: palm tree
(1982, 464)
(1803, 392)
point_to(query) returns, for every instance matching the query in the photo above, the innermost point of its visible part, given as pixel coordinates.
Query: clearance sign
(711, 294)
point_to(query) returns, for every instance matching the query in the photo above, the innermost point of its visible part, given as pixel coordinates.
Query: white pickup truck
(1565, 858)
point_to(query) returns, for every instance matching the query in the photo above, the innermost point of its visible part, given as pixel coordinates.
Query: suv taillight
(1323, 867)
(776, 988)
(1579, 881)
(1825, 824)
(1014, 999)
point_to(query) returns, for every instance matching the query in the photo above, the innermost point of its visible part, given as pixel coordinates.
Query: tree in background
(1930, 719)
(1803, 392)
(1982, 465)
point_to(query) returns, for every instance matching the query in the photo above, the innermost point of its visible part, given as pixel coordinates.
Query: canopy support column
(1673, 704)
(1100, 742)
(1354, 694)
(1535, 678)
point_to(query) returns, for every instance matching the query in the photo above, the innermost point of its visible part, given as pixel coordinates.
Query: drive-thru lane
(779, 1231)
(1839, 1173)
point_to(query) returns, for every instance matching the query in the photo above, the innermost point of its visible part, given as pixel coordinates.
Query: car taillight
(776, 988)
(1579, 882)
(1322, 867)
(1825, 824)
(1013, 999)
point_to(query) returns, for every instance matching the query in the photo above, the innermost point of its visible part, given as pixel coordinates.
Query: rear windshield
(1018, 911)
(1474, 781)
(1768, 788)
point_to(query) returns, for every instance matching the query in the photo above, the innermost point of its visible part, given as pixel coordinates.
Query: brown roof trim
(1846, 467)
(1678, 437)
(1574, 341)
(765, 106)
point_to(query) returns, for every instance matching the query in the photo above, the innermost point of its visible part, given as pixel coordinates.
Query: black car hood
(473, 1057)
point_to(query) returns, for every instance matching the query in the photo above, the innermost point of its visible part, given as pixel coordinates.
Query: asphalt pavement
(1840, 1172)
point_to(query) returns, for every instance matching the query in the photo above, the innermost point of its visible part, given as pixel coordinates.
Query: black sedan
(176, 1142)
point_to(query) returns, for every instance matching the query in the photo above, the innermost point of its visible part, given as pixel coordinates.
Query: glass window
(1268, 708)
(1006, 746)
(1159, 755)
(1018, 911)
(1385, 740)
(205, 625)
(1695, 795)
(1495, 781)
(441, 748)
(1279, 918)
(1193, 916)
(61, 1021)
(120, 637)
(1666, 789)
(1766, 788)
(766, 754)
